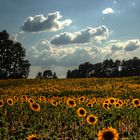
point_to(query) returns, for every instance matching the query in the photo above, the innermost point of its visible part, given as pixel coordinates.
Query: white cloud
(108, 11)
(45, 54)
(132, 45)
(128, 46)
(40, 23)
(84, 36)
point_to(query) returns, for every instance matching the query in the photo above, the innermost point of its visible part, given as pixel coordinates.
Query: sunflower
(31, 101)
(125, 104)
(55, 96)
(42, 98)
(32, 137)
(120, 102)
(82, 99)
(105, 105)
(91, 119)
(24, 97)
(54, 103)
(112, 100)
(71, 102)
(1, 103)
(117, 105)
(15, 98)
(10, 101)
(81, 112)
(108, 134)
(136, 102)
(60, 102)
(35, 107)
(89, 104)
(106, 101)
(109, 106)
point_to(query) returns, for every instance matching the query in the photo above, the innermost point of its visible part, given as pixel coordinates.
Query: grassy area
(70, 109)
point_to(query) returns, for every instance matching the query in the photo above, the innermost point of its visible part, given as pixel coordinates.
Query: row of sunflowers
(70, 114)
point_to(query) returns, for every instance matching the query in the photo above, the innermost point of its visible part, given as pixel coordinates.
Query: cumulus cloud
(132, 45)
(46, 55)
(40, 23)
(108, 11)
(84, 36)
(127, 46)
(117, 49)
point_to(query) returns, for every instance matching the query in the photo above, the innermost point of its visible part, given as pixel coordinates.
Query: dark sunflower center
(117, 105)
(136, 102)
(71, 102)
(119, 102)
(109, 106)
(125, 104)
(92, 119)
(0, 103)
(10, 102)
(111, 101)
(35, 106)
(34, 138)
(89, 105)
(105, 105)
(31, 101)
(108, 136)
(54, 103)
(82, 112)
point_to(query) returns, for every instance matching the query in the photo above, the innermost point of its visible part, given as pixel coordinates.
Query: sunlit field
(70, 109)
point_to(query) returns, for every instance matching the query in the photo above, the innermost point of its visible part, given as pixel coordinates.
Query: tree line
(47, 74)
(14, 65)
(107, 68)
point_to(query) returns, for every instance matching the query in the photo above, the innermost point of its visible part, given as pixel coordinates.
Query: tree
(12, 58)
(47, 74)
(68, 74)
(39, 75)
(107, 68)
(54, 76)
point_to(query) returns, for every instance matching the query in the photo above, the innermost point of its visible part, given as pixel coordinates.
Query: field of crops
(70, 109)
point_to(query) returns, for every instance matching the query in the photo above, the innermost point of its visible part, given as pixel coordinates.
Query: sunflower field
(70, 109)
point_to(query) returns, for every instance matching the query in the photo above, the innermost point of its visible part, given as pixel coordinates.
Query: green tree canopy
(12, 58)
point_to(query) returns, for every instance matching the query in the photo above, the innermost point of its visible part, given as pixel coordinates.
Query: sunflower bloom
(31, 101)
(82, 99)
(81, 112)
(91, 119)
(32, 137)
(105, 105)
(112, 100)
(117, 105)
(54, 103)
(136, 102)
(108, 134)
(10, 101)
(35, 107)
(71, 103)
(15, 98)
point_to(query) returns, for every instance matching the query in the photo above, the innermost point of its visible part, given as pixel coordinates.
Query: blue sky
(61, 34)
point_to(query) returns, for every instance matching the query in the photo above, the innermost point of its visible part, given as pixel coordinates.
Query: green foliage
(12, 58)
